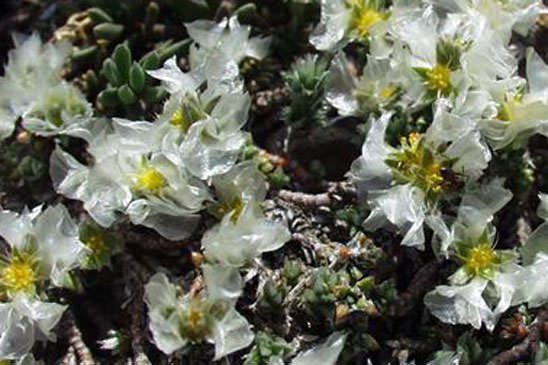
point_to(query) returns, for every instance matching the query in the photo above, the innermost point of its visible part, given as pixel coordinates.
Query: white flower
(202, 130)
(378, 86)
(242, 236)
(58, 109)
(33, 64)
(176, 320)
(448, 54)
(130, 176)
(521, 113)
(44, 245)
(244, 232)
(220, 47)
(325, 353)
(488, 281)
(23, 321)
(501, 16)
(31, 75)
(347, 20)
(402, 186)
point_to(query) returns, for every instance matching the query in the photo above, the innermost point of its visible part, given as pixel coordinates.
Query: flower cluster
(32, 89)
(440, 91)
(162, 174)
(447, 69)
(44, 246)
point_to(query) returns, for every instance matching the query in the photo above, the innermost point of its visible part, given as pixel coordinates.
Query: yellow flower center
(507, 110)
(150, 181)
(439, 79)
(179, 120)
(19, 275)
(195, 317)
(235, 206)
(388, 91)
(366, 20)
(365, 16)
(97, 245)
(196, 322)
(480, 259)
(417, 164)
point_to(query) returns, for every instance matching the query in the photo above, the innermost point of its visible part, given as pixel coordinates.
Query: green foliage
(268, 349)
(273, 297)
(274, 172)
(306, 81)
(128, 83)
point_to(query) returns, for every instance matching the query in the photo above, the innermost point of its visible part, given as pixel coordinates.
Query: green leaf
(111, 72)
(122, 57)
(150, 61)
(108, 31)
(97, 16)
(126, 95)
(109, 97)
(137, 78)
(175, 49)
(82, 54)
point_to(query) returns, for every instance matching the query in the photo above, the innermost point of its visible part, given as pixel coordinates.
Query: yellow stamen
(19, 275)
(150, 181)
(439, 79)
(235, 207)
(388, 91)
(418, 164)
(480, 259)
(507, 110)
(365, 19)
(97, 245)
(195, 317)
(179, 120)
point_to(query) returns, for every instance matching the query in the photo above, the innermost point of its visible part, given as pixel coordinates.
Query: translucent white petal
(244, 180)
(222, 282)
(17, 333)
(231, 334)
(44, 315)
(370, 171)
(59, 246)
(403, 206)
(175, 80)
(237, 243)
(325, 353)
(542, 209)
(460, 304)
(14, 228)
(341, 86)
(334, 21)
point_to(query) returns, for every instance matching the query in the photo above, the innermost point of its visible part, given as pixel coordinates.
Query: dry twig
(77, 346)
